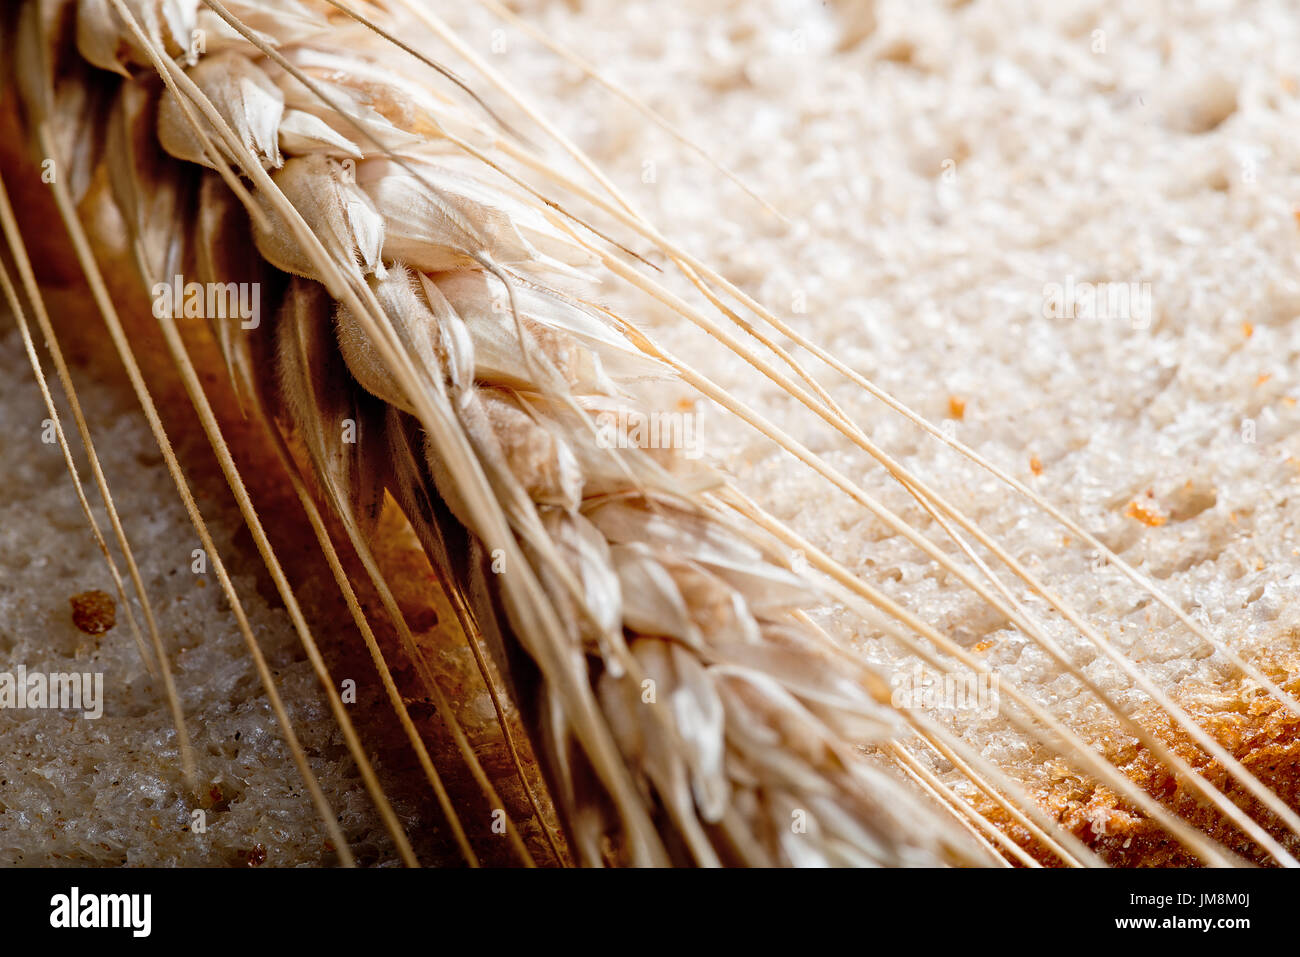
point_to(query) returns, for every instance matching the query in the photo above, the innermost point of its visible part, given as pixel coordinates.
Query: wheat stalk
(682, 706)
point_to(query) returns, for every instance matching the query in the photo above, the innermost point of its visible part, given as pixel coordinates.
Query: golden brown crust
(1254, 728)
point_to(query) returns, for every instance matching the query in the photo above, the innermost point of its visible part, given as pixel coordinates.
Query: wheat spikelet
(683, 709)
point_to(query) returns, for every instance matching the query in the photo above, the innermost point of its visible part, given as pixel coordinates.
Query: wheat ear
(680, 710)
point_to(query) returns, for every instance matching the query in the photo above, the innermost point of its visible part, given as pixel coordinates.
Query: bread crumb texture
(1079, 220)
(109, 791)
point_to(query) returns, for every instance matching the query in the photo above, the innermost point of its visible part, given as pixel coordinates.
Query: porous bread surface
(109, 791)
(943, 164)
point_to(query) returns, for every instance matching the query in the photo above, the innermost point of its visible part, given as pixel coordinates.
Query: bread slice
(957, 171)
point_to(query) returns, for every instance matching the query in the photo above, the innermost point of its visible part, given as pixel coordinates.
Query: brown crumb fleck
(1145, 514)
(1036, 465)
(956, 407)
(217, 799)
(257, 856)
(94, 612)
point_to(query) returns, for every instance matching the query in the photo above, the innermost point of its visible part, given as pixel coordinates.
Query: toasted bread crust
(1258, 731)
